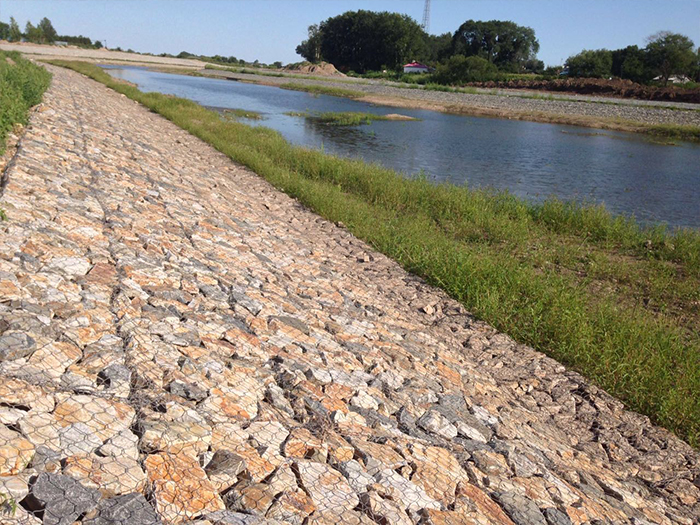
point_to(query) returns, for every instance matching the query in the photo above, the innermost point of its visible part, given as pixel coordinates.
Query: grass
(618, 302)
(242, 113)
(323, 90)
(22, 84)
(348, 118)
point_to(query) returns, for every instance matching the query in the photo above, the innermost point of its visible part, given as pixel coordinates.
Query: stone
(191, 437)
(521, 510)
(383, 510)
(180, 487)
(16, 345)
(127, 509)
(15, 452)
(356, 476)
(110, 475)
(292, 507)
(302, 444)
(437, 471)
(19, 393)
(269, 435)
(70, 266)
(124, 444)
(77, 438)
(14, 488)
(327, 488)
(556, 517)
(223, 469)
(103, 417)
(478, 504)
(436, 423)
(62, 498)
(411, 496)
(248, 496)
(188, 390)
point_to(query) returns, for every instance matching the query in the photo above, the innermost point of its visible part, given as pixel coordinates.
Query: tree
(591, 64)
(4, 31)
(15, 34)
(630, 63)
(98, 44)
(505, 44)
(310, 48)
(48, 32)
(460, 69)
(670, 54)
(364, 40)
(533, 66)
(33, 33)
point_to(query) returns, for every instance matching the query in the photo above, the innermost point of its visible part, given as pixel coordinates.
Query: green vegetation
(43, 33)
(349, 118)
(22, 85)
(323, 90)
(616, 301)
(242, 113)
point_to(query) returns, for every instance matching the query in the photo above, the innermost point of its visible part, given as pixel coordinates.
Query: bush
(22, 85)
(591, 64)
(460, 70)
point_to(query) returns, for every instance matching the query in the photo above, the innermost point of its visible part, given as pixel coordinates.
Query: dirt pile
(323, 69)
(595, 86)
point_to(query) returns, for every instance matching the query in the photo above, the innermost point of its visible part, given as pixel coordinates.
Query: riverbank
(599, 293)
(197, 345)
(679, 121)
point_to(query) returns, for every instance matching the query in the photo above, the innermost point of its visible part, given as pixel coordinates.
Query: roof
(416, 64)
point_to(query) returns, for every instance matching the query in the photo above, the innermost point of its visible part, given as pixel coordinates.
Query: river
(629, 173)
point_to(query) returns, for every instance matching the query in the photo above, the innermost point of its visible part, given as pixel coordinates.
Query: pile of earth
(323, 69)
(596, 86)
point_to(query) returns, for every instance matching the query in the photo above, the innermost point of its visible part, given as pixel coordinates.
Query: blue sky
(270, 30)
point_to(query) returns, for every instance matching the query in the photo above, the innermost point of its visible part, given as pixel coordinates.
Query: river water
(629, 173)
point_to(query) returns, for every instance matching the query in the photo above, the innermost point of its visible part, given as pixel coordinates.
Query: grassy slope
(22, 85)
(617, 302)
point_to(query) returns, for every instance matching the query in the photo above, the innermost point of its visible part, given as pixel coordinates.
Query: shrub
(460, 70)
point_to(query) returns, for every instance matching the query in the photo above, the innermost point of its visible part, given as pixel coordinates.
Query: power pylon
(426, 16)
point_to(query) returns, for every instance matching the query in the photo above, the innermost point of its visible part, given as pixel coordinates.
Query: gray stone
(357, 477)
(521, 510)
(188, 391)
(16, 345)
(77, 438)
(128, 509)
(556, 517)
(62, 498)
(226, 462)
(436, 423)
(226, 517)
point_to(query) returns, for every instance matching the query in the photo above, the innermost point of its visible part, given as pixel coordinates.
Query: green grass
(323, 90)
(348, 118)
(22, 84)
(618, 302)
(242, 113)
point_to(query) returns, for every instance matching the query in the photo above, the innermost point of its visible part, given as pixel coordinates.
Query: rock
(356, 476)
(292, 507)
(117, 380)
(14, 488)
(521, 510)
(248, 496)
(41, 428)
(383, 510)
(227, 517)
(180, 487)
(103, 417)
(556, 517)
(46, 460)
(437, 471)
(188, 390)
(223, 469)
(302, 444)
(124, 444)
(15, 452)
(16, 345)
(409, 495)
(363, 400)
(70, 266)
(269, 436)
(436, 423)
(16, 392)
(62, 498)
(128, 509)
(328, 489)
(110, 475)
(192, 437)
(470, 432)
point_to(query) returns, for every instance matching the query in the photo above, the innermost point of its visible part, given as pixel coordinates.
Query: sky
(270, 30)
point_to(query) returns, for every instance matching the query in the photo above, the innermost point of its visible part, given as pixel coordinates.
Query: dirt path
(180, 340)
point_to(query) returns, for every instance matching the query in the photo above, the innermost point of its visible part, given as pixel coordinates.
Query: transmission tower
(426, 16)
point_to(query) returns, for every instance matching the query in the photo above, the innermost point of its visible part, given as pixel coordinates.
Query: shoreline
(672, 128)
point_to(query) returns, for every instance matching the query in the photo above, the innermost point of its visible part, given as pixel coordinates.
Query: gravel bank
(645, 112)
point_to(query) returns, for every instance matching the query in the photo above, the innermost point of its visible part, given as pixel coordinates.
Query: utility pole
(426, 17)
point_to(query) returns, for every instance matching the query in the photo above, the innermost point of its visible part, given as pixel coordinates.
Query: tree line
(42, 33)
(365, 41)
(665, 55)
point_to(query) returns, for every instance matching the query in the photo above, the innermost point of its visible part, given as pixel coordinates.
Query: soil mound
(597, 86)
(323, 69)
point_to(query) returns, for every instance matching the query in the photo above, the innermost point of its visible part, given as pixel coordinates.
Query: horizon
(273, 28)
